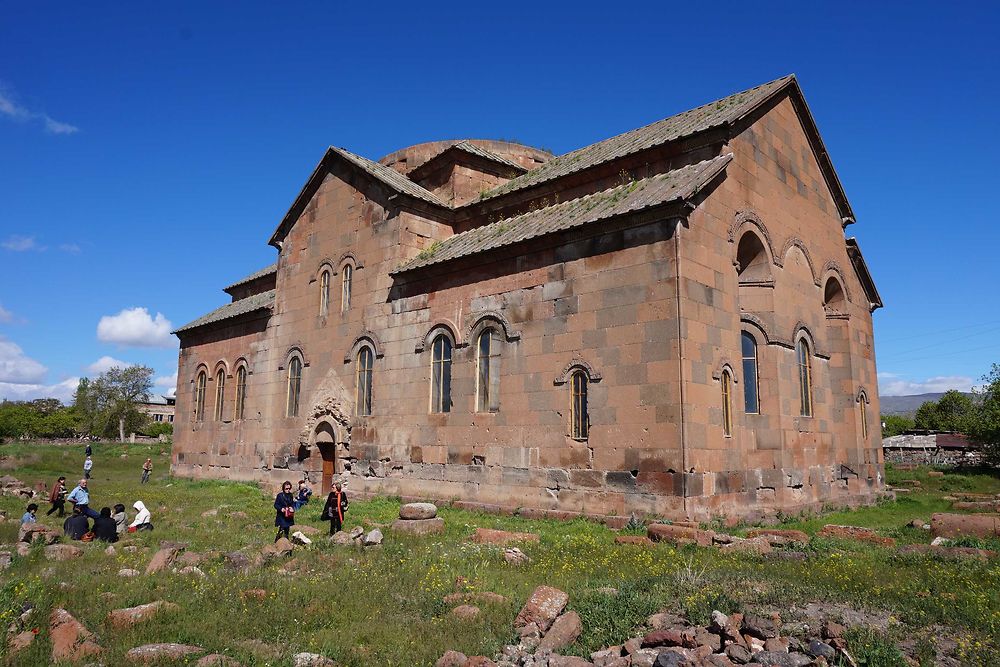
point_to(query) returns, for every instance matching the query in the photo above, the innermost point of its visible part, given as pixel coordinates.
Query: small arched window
(294, 387)
(441, 374)
(241, 392)
(727, 403)
(220, 393)
(324, 293)
(199, 396)
(805, 378)
(863, 406)
(751, 394)
(488, 371)
(364, 381)
(345, 287)
(579, 425)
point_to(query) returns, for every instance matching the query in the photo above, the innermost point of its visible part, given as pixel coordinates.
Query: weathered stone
(679, 534)
(832, 630)
(357, 532)
(311, 660)
(856, 533)
(818, 649)
(779, 659)
(490, 536)
(556, 660)
(192, 570)
(665, 620)
(429, 526)
(514, 556)
(254, 593)
(71, 641)
(59, 552)
(298, 537)
(451, 659)
(644, 657)
(965, 525)
(542, 608)
(341, 538)
(935, 473)
(480, 661)
(634, 540)
(465, 612)
(916, 523)
(123, 618)
(19, 642)
(418, 511)
(738, 653)
(668, 637)
(217, 660)
(754, 545)
(564, 631)
(22, 550)
(152, 653)
(760, 626)
(128, 572)
(373, 538)
(282, 547)
(605, 657)
(162, 559)
(792, 536)
(475, 596)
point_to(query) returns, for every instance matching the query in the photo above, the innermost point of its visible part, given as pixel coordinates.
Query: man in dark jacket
(336, 505)
(76, 526)
(105, 528)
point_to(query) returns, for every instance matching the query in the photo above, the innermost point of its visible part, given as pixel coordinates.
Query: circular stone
(418, 511)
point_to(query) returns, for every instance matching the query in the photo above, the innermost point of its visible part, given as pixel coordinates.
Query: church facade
(670, 322)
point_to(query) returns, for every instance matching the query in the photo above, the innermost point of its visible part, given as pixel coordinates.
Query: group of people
(286, 503)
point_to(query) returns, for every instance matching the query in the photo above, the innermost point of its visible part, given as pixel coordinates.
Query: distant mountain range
(907, 405)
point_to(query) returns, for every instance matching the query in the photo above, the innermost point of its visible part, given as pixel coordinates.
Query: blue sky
(147, 152)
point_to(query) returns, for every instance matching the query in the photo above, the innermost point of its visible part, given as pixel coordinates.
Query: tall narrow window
(805, 379)
(441, 374)
(751, 395)
(199, 397)
(863, 404)
(488, 371)
(241, 392)
(727, 403)
(579, 419)
(220, 393)
(345, 287)
(364, 382)
(294, 387)
(324, 293)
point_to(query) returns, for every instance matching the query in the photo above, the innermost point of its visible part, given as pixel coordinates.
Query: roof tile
(262, 301)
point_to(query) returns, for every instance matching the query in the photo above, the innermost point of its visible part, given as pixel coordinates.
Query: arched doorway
(326, 442)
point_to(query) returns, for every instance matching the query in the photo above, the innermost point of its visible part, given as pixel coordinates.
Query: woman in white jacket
(142, 518)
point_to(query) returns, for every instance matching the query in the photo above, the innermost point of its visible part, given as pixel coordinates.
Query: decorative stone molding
(348, 258)
(478, 320)
(445, 326)
(726, 365)
(571, 367)
(294, 351)
(368, 338)
(758, 323)
(800, 244)
(862, 396)
(750, 218)
(833, 267)
(802, 330)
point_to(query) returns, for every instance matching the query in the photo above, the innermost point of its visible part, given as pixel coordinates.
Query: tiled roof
(267, 270)
(483, 153)
(705, 117)
(389, 176)
(627, 198)
(262, 301)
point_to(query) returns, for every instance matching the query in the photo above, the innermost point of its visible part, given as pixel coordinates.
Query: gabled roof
(471, 149)
(262, 301)
(385, 175)
(673, 186)
(861, 268)
(266, 271)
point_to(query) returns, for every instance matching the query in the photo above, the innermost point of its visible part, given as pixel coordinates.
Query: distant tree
(156, 429)
(984, 425)
(895, 424)
(927, 416)
(111, 401)
(954, 410)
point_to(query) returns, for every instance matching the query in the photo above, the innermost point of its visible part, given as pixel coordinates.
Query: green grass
(384, 606)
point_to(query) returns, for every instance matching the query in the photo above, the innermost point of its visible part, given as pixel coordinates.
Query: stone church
(669, 322)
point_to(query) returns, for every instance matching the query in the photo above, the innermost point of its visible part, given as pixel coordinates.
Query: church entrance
(326, 442)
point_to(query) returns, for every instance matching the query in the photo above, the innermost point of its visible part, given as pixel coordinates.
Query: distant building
(160, 408)
(931, 447)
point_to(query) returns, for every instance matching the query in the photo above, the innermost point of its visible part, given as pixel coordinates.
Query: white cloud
(106, 363)
(27, 392)
(16, 243)
(16, 112)
(18, 368)
(890, 384)
(71, 248)
(135, 327)
(168, 383)
(6, 317)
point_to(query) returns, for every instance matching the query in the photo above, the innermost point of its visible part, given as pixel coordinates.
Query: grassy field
(384, 606)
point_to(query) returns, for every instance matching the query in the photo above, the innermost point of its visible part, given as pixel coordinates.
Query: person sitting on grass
(284, 505)
(104, 526)
(76, 526)
(80, 497)
(29, 516)
(142, 519)
(303, 494)
(121, 520)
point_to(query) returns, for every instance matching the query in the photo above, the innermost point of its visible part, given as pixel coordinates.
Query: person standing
(57, 496)
(29, 516)
(89, 450)
(284, 505)
(336, 506)
(147, 468)
(80, 498)
(87, 467)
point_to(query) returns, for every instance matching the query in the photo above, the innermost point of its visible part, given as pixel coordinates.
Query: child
(29, 516)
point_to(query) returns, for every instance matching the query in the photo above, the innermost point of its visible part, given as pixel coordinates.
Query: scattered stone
(856, 533)
(373, 538)
(754, 545)
(22, 550)
(151, 653)
(128, 573)
(940, 542)
(124, 618)
(818, 649)
(760, 627)
(465, 612)
(564, 631)
(110, 551)
(357, 532)
(208, 513)
(36, 532)
(71, 641)
(680, 535)
(239, 515)
(217, 660)
(341, 538)
(451, 659)
(481, 661)
(60, 552)
(634, 540)
(557, 660)
(298, 537)
(738, 653)
(964, 525)
(542, 608)
(667, 637)
(916, 523)
(6, 558)
(311, 660)
(514, 556)
(935, 473)
(832, 630)
(280, 548)
(490, 536)
(418, 511)
(790, 536)
(254, 593)
(192, 570)
(189, 558)
(19, 642)
(162, 559)
(429, 526)
(644, 657)
(474, 596)
(236, 560)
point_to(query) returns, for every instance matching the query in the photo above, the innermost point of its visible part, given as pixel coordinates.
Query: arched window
(241, 392)
(863, 405)
(364, 381)
(220, 393)
(345, 287)
(294, 387)
(488, 371)
(805, 378)
(324, 293)
(579, 424)
(751, 394)
(199, 396)
(441, 374)
(752, 263)
(727, 403)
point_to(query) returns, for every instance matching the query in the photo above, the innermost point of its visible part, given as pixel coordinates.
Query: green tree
(954, 410)
(984, 425)
(927, 416)
(111, 401)
(895, 424)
